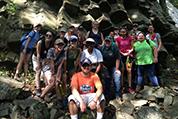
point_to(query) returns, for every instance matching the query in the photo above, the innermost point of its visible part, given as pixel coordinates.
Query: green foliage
(11, 8)
(174, 2)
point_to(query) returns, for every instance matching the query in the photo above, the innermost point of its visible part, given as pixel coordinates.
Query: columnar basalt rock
(110, 13)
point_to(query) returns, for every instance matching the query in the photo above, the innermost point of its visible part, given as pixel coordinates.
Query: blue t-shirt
(34, 35)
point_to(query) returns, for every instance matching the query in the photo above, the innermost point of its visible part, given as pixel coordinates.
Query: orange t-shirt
(85, 84)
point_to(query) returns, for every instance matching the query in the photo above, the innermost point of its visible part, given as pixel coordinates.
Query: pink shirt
(124, 44)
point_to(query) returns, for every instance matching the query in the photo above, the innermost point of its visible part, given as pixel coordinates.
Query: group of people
(91, 63)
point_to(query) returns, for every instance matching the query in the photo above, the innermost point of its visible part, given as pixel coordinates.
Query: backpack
(25, 37)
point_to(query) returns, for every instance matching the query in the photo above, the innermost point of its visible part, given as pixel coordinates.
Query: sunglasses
(90, 44)
(85, 65)
(48, 35)
(107, 41)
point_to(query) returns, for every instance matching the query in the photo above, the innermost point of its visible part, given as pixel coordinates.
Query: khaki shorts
(48, 76)
(34, 62)
(87, 98)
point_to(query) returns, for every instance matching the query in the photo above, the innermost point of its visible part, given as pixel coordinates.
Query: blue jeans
(150, 70)
(109, 74)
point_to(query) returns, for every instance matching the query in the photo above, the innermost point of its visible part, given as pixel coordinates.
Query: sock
(99, 115)
(74, 116)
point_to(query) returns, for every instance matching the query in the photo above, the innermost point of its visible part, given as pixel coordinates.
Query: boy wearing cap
(83, 86)
(111, 70)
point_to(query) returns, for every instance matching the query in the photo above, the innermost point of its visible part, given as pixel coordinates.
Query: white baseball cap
(90, 40)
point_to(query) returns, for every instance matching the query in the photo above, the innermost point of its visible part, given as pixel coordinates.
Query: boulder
(149, 113)
(9, 90)
(5, 109)
(39, 111)
(139, 103)
(123, 115)
(110, 13)
(168, 100)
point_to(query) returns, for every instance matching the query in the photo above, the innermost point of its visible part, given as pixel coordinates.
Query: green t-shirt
(144, 52)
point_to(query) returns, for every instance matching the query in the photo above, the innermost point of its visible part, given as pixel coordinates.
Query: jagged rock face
(110, 13)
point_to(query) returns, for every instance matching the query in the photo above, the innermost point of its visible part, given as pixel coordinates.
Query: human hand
(155, 60)
(93, 105)
(24, 51)
(82, 106)
(38, 68)
(118, 71)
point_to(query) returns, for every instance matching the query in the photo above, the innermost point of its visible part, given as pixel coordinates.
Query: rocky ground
(17, 102)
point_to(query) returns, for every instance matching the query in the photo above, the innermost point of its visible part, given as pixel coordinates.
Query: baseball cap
(86, 61)
(37, 25)
(90, 40)
(63, 29)
(109, 38)
(135, 25)
(59, 41)
(73, 38)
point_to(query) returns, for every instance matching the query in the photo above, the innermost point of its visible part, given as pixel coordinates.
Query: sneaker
(38, 99)
(131, 90)
(138, 88)
(156, 87)
(38, 92)
(16, 77)
(119, 100)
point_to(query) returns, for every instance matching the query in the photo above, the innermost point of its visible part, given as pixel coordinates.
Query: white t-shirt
(95, 56)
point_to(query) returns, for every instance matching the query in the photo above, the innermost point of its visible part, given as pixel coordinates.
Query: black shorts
(29, 50)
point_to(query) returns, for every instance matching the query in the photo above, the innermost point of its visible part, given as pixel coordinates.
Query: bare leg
(73, 108)
(50, 85)
(129, 76)
(101, 106)
(100, 110)
(37, 78)
(19, 66)
(26, 62)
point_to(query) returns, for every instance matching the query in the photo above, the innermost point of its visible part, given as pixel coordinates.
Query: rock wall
(110, 13)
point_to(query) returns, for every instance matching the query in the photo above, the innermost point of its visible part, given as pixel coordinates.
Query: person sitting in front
(83, 85)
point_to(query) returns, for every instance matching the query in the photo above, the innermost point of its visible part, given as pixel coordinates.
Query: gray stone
(71, 8)
(53, 113)
(24, 104)
(139, 103)
(175, 100)
(128, 96)
(15, 113)
(5, 109)
(160, 93)
(124, 106)
(152, 98)
(4, 112)
(149, 113)
(168, 100)
(121, 13)
(146, 92)
(127, 107)
(39, 111)
(11, 82)
(123, 115)
(116, 104)
(7, 92)
(172, 111)
(105, 6)
(153, 104)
